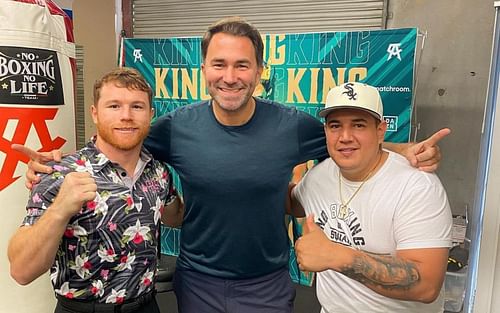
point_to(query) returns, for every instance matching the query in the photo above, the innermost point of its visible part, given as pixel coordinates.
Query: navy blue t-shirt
(234, 181)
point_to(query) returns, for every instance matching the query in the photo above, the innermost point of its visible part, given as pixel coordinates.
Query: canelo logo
(26, 118)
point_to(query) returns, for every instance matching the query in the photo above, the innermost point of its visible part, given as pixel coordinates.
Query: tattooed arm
(415, 275)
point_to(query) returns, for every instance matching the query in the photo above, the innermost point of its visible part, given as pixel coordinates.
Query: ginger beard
(122, 136)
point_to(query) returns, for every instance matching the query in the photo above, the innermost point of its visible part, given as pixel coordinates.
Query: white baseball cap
(354, 95)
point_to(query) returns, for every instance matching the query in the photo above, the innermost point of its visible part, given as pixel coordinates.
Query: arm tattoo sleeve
(386, 272)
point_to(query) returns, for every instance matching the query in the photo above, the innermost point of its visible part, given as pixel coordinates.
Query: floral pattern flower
(106, 255)
(83, 165)
(146, 281)
(137, 233)
(55, 272)
(158, 209)
(126, 262)
(97, 288)
(75, 230)
(116, 296)
(66, 291)
(99, 205)
(82, 266)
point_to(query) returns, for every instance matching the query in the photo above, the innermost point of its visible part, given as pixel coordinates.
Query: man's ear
(93, 113)
(381, 129)
(260, 69)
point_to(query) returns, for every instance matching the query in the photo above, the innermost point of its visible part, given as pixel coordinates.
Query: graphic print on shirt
(346, 231)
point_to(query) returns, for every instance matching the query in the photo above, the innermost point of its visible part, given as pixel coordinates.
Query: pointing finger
(437, 136)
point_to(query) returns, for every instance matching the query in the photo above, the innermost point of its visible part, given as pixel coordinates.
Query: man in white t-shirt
(378, 230)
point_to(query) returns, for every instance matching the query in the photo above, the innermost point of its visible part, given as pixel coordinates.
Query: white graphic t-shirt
(398, 208)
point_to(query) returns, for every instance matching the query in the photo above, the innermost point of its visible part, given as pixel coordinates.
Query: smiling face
(122, 117)
(231, 73)
(353, 139)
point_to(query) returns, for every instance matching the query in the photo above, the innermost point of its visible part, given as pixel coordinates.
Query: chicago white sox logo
(350, 91)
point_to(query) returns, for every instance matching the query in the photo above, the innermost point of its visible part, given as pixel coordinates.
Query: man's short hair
(235, 26)
(124, 77)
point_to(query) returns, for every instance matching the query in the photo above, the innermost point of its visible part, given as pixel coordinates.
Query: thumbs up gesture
(315, 252)
(309, 225)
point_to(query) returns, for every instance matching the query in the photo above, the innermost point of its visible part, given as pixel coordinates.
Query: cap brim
(324, 112)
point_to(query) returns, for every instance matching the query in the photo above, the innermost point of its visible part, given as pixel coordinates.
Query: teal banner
(299, 71)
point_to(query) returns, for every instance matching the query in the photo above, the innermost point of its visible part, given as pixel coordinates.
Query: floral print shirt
(108, 251)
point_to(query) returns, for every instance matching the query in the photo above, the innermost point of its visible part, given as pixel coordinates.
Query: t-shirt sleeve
(158, 140)
(424, 220)
(312, 142)
(305, 192)
(42, 195)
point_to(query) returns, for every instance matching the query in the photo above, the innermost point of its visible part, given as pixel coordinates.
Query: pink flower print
(59, 168)
(111, 226)
(130, 202)
(36, 198)
(104, 274)
(71, 247)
